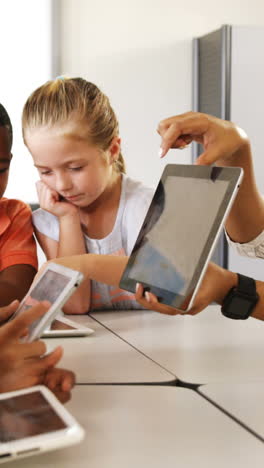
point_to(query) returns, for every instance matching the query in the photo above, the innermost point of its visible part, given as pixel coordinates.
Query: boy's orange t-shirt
(17, 243)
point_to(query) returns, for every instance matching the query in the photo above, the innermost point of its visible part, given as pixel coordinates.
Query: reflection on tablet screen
(49, 288)
(58, 325)
(166, 258)
(27, 415)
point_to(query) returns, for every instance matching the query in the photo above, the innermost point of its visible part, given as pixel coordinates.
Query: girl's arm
(106, 269)
(71, 242)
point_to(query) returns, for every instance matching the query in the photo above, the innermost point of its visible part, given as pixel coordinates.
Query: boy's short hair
(6, 122)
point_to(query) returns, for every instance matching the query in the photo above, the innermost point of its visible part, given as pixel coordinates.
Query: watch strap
(246, 285)
(240, 300)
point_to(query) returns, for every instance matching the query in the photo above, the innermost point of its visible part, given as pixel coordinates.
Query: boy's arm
(18, 255)
(15, 281)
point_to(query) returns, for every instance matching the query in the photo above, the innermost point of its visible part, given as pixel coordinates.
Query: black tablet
(180, 231)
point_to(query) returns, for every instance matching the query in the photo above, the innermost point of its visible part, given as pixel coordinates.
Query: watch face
(241, 300)
(240, 307)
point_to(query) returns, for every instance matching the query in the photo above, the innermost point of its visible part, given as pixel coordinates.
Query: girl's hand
(215, 285)
(220, 138)
(50, 201)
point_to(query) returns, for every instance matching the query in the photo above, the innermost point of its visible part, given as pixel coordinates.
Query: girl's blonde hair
(59, 100)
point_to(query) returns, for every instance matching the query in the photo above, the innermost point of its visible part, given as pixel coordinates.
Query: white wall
(140, 54)
(247, 102)
(25, 37)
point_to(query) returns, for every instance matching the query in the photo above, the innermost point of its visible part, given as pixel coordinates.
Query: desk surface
(158, 427)
(206, 348)
(242, 400)
(105, 358)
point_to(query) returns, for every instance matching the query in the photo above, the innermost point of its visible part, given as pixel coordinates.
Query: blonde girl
(87, 202)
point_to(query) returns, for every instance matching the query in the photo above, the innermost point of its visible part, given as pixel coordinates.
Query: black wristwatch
(240, 301)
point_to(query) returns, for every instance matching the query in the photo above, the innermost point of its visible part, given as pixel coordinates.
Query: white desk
(104, 358)
(157, 427)
(242, 400)
(205, 348)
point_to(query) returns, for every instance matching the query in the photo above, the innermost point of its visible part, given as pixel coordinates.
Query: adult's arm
(225, 144)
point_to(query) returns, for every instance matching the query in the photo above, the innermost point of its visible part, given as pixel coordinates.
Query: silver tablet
(56, 284)
(32, 421)
(180, 231)
(64, 327)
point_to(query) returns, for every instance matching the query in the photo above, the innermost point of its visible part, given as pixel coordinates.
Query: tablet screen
(178, 232)
(48, 288)
(59, 325)
(26, 416)
(169, 255)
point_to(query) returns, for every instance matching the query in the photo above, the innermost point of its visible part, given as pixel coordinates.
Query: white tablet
(180, 231)
(34, 421)
(64, 327)
(56, 284)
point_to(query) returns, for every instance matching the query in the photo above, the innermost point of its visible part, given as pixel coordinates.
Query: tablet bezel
(233, 175)
(76, 330)
(75, 279)
(34, 445)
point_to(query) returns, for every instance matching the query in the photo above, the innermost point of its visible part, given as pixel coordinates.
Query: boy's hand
(24, 364)
(61, 382)
(17, 328)
(27, 372)
(50, 201)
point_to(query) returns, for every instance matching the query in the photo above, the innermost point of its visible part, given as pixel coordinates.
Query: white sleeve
(254, 248)
(46, 223)
(134, 215)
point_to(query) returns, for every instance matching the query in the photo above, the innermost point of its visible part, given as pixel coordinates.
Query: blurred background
(138, 52)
